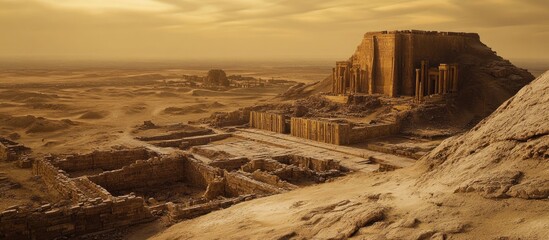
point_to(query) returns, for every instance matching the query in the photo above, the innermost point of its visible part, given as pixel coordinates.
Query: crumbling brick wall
(106, 160)
(11, 151)
(142, 173)
(318, 165)
(49, 223)
(57, 180)
(237, 184)
(197, 173)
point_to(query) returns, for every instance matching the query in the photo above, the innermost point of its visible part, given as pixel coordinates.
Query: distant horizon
(533, 65)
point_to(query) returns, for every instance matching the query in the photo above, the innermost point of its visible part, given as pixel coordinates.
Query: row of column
(430, 81)
(348, 78)
(268, 121)
(341, 75)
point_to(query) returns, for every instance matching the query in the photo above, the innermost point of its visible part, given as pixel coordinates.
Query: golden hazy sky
(254, 29)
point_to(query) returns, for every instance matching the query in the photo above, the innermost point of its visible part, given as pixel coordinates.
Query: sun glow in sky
(253, 29)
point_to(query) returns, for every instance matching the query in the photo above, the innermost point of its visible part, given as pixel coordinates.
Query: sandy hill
(488, 183)
(504, 155)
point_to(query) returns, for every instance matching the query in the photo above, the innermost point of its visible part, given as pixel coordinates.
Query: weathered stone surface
(339, 132)
(106, 160)
(269, 121)
(11, 151)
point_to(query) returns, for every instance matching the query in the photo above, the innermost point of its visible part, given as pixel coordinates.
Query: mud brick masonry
(386, 62)
(92, 205)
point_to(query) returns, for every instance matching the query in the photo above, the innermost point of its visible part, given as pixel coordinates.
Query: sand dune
(47, 106)
(94, 115)
(134, 109)
(211, 93)
(196, 108)
(166, 94)
(33, 124)
(26, 97)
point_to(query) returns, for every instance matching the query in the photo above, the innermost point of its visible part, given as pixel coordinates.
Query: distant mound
(166, 94)
(26, 97)
(210, 93)
(33, 124)
(505, 155)
(302, 90)
(47, 106)
(94, 115)
(196, 108)
(134, 109)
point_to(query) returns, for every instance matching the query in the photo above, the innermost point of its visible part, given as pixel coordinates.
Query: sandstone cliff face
(505, 155)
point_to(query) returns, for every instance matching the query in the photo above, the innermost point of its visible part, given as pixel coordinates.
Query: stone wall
(230, 164)
(94, 209)
(58, 181)
(177, 212)
(106, 160)
(11, 151)
(49, 223)
(359, 134)
(175, 135)
(268, 121)
(314, 164)
(203, 140)
(198, 173)
(320, 130)
(339, 132)
(142, 173)
(191, 141)
(238, 184)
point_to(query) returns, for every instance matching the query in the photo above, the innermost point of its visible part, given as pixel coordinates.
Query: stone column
(334, 80)
(440, 78)
(421, 90)
(424, 70)
(443, 82)
(418, 73)
(455, 86)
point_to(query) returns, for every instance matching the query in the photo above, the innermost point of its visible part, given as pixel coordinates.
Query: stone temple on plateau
(407, 63)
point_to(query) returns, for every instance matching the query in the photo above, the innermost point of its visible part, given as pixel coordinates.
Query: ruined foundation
(11, 151)
(106, 190)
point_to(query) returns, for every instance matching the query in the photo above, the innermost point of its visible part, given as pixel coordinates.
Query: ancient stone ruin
(216, 77)
(11, 151)
(105, 190)
(386, 63)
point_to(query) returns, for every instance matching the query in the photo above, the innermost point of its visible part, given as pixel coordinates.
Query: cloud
(106, 5)
(252, 28)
